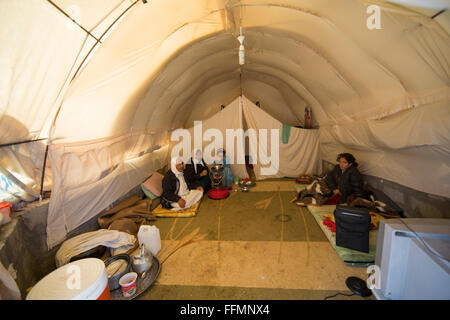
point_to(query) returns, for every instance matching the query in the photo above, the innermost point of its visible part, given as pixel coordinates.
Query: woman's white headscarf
(197, 159)
(173, 165)
(219, 156)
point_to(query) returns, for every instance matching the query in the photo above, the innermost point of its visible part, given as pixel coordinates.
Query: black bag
(352, 228)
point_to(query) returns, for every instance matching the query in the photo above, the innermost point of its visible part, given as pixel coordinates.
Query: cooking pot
(113, 279)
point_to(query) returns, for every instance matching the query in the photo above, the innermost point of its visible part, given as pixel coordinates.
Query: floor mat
(257, 264)
(179, 292)
(254, 245)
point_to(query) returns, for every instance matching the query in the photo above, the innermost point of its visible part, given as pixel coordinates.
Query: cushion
(148, 193)
(159, 211)
(154, 184)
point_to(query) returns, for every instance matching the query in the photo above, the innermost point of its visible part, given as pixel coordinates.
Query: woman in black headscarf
(197, 171)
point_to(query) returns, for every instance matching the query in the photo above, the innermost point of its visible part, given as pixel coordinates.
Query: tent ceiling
(309, 53)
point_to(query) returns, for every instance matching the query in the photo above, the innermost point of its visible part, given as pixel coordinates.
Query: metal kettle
(142, 261)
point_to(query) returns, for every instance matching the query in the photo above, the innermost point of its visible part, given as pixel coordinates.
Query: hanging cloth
(286, 131)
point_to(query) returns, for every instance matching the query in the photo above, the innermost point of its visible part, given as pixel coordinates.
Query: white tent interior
(107, 82)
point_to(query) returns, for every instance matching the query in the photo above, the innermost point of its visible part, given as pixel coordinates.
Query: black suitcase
(352, 228)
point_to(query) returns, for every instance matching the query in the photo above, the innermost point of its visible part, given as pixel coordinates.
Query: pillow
(154, 184)
(148, 193)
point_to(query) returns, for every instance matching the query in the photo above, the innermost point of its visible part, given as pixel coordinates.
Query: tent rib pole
(439, 13)
(65, 13)
(75, 74)
(41, 193)
(20, 142)
(93, 47)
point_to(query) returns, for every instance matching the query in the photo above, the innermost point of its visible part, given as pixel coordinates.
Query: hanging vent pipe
(241, 48)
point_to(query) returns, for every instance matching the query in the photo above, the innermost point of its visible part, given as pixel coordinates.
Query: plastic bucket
(128, 284)
(84, 279)
(218, 194)
(5, 211)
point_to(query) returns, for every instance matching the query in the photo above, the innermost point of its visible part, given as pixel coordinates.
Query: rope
(169, 234)
(306, 234)
(184, 228)
(282, 224)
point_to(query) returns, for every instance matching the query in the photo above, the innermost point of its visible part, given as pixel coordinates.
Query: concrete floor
(254, 245)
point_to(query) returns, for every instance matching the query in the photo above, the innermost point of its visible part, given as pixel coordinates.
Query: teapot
(142, 261)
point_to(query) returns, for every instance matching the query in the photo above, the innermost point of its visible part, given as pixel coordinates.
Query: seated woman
(197, 171)
(344, 180)
(222, 159)
(179, 193)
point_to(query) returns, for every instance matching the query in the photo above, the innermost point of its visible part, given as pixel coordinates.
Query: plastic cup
(128, 284)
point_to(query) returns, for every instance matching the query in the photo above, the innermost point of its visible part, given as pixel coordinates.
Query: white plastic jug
(150, 237)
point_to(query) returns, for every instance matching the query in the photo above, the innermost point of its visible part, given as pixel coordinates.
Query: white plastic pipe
(241, 49)
(241, 55)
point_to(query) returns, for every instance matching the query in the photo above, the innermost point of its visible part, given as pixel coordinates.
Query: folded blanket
(138, 211)
(120, 242)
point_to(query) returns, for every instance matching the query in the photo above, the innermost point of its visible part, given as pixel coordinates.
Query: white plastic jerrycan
(150, 237)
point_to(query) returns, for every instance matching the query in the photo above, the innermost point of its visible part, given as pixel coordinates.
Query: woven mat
(159, 211)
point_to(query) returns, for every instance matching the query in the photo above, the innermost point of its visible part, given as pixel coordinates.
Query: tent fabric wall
(36, 57)
(230, 118)
(40, 53)
(82, 187)
(411, 148)
(300, 155)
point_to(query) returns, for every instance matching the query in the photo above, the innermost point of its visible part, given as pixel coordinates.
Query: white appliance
(413, 258)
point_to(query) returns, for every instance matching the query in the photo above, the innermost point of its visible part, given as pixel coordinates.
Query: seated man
(197, 171)
(178, 193)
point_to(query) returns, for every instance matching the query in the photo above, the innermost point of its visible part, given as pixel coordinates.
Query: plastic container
(128, 284)
(150, 237)
(84, 279)
(5, 211)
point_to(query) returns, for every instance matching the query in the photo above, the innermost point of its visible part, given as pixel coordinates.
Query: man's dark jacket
(171, 186)
(348, 182)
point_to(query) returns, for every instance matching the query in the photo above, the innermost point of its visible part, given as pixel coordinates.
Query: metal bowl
(113, 282)
(246, 184)
(245, 188)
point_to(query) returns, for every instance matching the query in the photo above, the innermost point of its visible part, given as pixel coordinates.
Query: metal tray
(142, 283)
